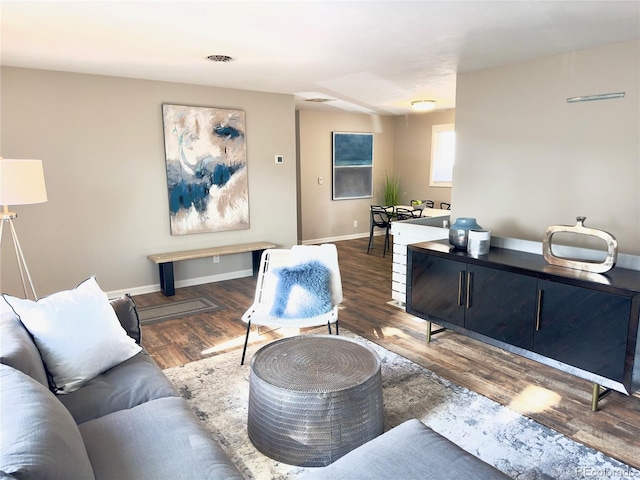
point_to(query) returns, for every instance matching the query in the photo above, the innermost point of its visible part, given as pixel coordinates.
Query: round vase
(459, 231)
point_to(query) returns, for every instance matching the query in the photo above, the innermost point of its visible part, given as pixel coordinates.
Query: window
(443, 152)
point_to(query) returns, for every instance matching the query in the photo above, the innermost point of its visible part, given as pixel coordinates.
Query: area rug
(217, 389)
(173, 310)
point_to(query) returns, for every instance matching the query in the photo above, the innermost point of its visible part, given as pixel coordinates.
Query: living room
(100, 138)
(526, 159)
(578, 160)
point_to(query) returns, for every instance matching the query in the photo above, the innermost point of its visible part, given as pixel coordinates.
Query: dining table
(426, 211)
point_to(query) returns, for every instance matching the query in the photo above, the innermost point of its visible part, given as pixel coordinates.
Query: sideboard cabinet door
(583, 328)
(438, 288)
(501, 305)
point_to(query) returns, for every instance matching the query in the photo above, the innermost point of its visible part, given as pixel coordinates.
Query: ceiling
(366, 56)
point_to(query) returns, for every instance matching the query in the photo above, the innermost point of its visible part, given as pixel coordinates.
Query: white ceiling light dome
(423, 105)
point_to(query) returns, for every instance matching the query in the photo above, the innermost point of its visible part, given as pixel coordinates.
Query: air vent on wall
(591, 98)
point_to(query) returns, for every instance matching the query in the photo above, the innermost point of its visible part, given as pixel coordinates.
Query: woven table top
(315, 363)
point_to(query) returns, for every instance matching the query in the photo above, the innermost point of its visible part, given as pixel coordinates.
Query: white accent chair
(261, 311)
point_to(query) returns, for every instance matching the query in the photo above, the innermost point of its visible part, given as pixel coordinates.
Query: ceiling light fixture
(220, 58)
(423, 105)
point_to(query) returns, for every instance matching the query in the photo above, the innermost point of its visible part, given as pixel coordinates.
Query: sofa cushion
(18, 350)
(126, 385)
(409, 451)
(127, 314)
(77, 333)
(158, 439)
(39, 437)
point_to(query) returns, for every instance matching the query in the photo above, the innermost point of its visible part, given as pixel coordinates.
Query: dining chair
(406, 214)
(381, 218)
(445, 206)
(297, 287)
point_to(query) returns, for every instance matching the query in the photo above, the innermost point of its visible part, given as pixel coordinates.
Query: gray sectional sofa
(126, 423)
(410, 451)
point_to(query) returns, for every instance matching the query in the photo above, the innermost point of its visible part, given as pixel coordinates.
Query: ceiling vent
(318, 100)
(220, 58)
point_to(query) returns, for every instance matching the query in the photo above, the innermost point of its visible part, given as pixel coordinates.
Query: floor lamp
(21, 183)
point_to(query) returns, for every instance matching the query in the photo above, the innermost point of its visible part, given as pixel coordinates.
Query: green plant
(391, 191)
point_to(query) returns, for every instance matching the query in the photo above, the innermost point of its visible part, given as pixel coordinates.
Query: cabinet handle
(469, 277)
(538, 310)
(460, 287)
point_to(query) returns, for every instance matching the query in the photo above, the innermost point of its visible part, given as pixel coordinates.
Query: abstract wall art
(206, 158)
(352, 165)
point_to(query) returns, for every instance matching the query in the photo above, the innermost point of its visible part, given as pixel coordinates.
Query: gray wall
(412, 156)
(527, 159)
(101, 143)
(402, 148)
(320, 217)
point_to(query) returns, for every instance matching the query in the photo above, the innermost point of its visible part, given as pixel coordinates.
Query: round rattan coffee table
(314, 398)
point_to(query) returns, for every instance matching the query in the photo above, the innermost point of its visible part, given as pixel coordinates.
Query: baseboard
(223, 276)
(316, 241)
(189, 282)
(624, 261)
(397, 304)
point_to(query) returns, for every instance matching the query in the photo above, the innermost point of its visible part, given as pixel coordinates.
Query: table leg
(256, 255)
(166, 279)
(598, 394)
(431, 332)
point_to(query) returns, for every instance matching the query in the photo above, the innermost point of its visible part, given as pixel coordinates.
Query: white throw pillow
(77, 333)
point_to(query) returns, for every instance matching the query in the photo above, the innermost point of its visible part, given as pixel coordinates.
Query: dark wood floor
(550, 397)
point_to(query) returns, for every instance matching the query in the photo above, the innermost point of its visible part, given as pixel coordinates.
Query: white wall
(321, 217)
(101, 143)
(402, 148)
(412, 156)
(526, 159)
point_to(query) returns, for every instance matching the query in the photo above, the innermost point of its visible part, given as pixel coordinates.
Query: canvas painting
(206, 157)
(352, 165)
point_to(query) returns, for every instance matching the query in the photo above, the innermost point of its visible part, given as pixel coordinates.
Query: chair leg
(329, 326)
(386, 243)
(370, 239)
(246, 341)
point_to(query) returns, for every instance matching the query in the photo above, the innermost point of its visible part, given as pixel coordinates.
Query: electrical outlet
(216, 259)
(355, 223)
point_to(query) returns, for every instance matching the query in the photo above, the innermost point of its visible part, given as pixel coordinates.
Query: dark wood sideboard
(583, 323)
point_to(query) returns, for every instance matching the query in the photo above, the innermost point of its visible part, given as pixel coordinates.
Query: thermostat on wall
(279, 158)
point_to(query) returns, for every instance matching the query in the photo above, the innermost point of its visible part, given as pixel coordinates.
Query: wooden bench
(165, 260)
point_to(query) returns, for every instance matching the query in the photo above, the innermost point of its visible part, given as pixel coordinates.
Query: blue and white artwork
(206, 156)
(352, 165)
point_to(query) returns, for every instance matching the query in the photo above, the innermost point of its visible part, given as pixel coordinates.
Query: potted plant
(391, 191)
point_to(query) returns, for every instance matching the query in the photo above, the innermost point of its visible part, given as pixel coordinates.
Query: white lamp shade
(22, 182)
